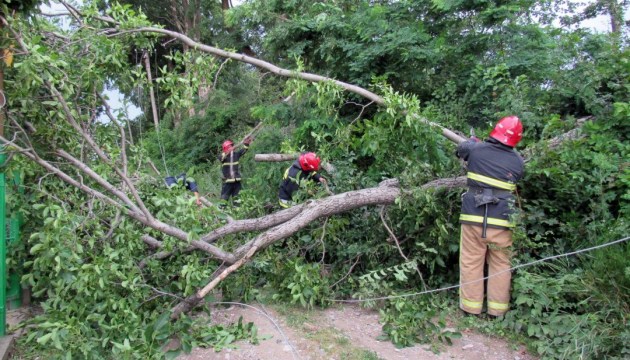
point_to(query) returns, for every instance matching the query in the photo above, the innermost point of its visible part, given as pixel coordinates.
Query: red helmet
(309, 161)
(228, 146)
(508, 131)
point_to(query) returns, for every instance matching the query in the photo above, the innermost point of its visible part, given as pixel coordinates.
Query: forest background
(94, 198)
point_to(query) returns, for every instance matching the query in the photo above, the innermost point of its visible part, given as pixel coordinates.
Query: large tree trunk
(384, 194)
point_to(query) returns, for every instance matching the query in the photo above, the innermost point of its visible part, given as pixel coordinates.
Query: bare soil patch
(346, 332)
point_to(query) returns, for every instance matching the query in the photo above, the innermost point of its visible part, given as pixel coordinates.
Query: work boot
(467, 314)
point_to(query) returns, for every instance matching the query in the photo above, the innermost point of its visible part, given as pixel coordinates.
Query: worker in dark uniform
(191, 185)
(303, 169)
(493, 167)
(229, 167)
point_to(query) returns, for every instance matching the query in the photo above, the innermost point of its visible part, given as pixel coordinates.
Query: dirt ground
(347, 332)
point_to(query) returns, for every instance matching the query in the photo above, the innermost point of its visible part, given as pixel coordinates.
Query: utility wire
(484, 278)
(159, 136)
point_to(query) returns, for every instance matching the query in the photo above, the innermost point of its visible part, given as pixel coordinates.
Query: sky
(116, 99)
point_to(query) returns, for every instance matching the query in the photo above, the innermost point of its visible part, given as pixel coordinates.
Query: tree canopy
(381, 90)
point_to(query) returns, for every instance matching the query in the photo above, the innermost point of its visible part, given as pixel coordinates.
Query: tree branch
(393, 237)
(290, 157)
(385, 193)
(63, 176)
(96, 177)
(71, 120)
(449, 134)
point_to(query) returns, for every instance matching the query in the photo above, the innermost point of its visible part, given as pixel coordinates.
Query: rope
(159, 132)
(159, 128)
(485, 278)
(294, 352)
(157, 101)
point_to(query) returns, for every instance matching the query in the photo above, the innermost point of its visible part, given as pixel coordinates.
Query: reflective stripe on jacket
(491, 165)
(229, 164)
(292, 178)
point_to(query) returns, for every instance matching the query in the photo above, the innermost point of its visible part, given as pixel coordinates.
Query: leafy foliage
(303, 285)
(460, 64)
(410, 321)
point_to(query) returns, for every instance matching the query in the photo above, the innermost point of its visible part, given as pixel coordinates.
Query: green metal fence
(11, 290)
(3, 249)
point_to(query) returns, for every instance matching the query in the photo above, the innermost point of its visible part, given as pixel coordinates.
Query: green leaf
(44, 339)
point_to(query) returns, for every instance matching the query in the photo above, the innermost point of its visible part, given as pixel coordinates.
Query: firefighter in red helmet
(305, 168)
(493, 168)
(229, 167)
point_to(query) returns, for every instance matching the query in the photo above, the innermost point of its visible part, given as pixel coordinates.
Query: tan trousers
(474, 252)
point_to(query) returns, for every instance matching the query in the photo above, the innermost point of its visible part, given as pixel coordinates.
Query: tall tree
(6, 50)
(613, 9)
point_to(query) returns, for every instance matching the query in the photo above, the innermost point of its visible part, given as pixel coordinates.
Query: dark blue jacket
(292, 178)
(495, 168)
(172, 181)
(229, 164)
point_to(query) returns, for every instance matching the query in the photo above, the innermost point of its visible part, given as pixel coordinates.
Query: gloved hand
(248, 140)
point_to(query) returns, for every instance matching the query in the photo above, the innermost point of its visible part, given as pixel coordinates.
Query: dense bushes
(83, 256)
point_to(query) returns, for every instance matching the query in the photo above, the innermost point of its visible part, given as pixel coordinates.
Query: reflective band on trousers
(491, 221)
(232, 180)
(492, 181)
(232, 163)
(498, 305)
(471, 304)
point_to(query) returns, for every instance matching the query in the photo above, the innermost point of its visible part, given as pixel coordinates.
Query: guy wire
(484, 278)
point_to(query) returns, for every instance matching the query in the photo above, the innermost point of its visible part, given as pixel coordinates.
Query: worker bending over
(303, 169)
(189, 184)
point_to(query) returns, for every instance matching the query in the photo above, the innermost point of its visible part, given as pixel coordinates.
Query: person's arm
(315, 176)
(464, 148)
(246, 144)
(192, 186)
(322, 180)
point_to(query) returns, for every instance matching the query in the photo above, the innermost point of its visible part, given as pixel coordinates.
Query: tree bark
(275, 157)
(384, 194)
(448, 183)
(289, 157)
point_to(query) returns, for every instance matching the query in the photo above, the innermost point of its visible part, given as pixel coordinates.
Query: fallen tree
(120, 192)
